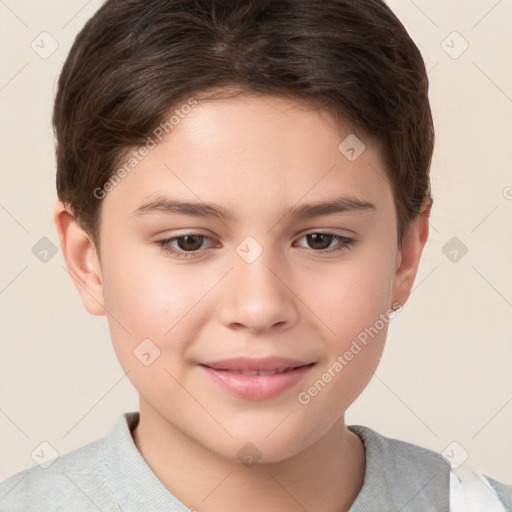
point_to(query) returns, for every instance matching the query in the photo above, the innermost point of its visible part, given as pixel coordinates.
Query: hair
(135, 60)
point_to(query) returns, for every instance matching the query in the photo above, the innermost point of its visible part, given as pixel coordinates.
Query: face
(248, 241)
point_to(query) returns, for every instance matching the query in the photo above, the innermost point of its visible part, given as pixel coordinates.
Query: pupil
(318, 238)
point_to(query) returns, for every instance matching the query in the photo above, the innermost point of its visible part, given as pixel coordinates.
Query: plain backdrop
(445, 378)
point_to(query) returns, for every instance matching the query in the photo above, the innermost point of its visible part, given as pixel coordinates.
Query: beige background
(446, 373)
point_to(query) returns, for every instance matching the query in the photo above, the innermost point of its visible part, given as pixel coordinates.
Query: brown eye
(326, 243)
(319, 241)
(184, 246)
(190, 242)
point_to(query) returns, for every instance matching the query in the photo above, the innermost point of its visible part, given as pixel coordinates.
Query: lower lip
(258, 387)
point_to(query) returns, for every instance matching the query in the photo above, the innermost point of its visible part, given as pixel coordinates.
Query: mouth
(257, 379)
(265, 364)
(257, 372)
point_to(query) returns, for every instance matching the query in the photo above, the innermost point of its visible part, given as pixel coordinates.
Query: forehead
(249, 152)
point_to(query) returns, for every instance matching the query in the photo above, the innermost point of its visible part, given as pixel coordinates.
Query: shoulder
(406, 467)
(84, 479)
(63, 484)
(401, 476)
(394, 453)
(109, 475)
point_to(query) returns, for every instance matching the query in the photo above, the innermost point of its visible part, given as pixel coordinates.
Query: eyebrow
(170, 206)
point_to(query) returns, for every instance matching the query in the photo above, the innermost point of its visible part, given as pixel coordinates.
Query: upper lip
(252, 364)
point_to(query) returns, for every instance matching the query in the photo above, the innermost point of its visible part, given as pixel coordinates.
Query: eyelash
(166, 245)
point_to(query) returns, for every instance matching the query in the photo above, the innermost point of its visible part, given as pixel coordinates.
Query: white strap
(470, 491)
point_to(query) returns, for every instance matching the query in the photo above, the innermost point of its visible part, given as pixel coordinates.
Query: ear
(408, 256)
(81, 259)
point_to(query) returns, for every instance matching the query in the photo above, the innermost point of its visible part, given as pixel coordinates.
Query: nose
(258, 297)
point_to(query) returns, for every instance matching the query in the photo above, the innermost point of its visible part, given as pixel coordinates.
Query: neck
(327, 476)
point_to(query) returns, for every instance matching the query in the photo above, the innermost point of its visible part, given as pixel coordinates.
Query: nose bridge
(257, 296)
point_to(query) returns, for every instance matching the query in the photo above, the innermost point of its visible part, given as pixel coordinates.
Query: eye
(190, 245)
(321, 242)
(183, 246)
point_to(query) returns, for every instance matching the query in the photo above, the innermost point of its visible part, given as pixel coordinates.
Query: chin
(259, 448)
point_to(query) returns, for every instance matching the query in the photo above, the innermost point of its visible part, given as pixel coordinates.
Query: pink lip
(227, 373)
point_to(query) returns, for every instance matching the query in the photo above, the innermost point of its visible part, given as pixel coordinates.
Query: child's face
(256, 158)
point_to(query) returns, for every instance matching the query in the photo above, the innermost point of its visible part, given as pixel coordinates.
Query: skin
(294, 300)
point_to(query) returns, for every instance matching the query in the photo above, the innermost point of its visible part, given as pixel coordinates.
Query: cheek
(353, 303)
(350, 297)
(154, 301)
(352, 356)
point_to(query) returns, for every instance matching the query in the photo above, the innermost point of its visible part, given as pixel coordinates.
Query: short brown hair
(135, 60)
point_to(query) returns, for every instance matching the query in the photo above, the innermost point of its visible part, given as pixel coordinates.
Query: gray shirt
(111, 475)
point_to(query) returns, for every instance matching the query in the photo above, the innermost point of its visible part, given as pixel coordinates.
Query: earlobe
(408, 257)
(81, 259)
